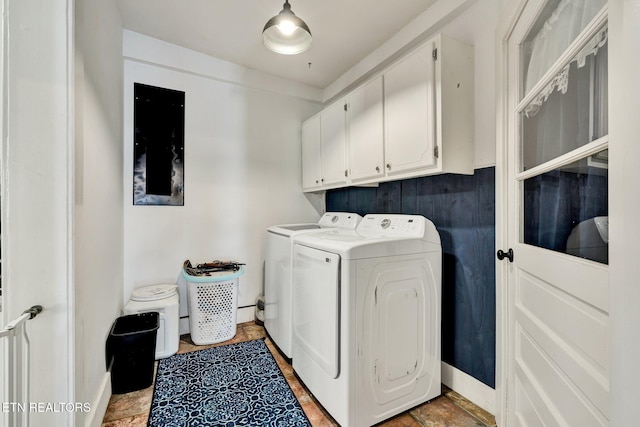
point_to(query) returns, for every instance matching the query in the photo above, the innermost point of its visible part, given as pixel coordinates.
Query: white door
(557, 201)
(37, 128)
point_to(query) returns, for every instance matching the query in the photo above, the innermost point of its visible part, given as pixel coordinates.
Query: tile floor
(448, 410)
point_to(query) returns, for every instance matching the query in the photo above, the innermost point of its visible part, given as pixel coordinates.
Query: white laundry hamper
(213, 306)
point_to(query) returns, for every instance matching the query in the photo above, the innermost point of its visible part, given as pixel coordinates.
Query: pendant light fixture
(286, 33)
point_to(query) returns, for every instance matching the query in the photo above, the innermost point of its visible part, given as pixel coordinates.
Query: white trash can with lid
(165, 300)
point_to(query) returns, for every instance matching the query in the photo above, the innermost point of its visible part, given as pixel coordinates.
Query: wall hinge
(436, 152)
(434, 54)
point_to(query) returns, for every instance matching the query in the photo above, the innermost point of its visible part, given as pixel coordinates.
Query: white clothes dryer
(367, 317)
(277, 274)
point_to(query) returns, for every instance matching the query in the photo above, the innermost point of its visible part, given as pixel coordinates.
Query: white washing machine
(367, 317)
(277, 274)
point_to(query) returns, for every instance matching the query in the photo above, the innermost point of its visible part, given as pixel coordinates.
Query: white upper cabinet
(333, 144)
(365, 132)
(311, 154)
(415, 118)
(455, 123)
(410, 113)
(428, 107)
(324, 149)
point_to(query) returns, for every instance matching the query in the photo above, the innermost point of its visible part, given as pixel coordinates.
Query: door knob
(502, 255)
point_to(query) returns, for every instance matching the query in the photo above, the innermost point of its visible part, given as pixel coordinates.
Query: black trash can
(131, 349)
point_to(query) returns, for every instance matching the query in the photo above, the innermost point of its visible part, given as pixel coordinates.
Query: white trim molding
(462, 383)
(100, 403)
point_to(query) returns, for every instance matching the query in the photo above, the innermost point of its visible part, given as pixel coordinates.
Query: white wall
(98, 197)
(242, 167)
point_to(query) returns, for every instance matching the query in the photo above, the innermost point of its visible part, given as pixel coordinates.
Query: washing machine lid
(377, 236)
(154, 292)
(342, 220)
(289, 230)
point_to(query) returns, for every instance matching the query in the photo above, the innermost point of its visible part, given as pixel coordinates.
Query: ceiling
(344, 31)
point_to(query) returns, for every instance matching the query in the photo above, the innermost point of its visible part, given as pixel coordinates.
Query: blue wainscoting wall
(462, 207)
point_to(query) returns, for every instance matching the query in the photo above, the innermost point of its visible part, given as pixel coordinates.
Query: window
(563, 114)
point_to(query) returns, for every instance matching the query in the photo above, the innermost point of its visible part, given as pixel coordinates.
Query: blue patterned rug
(232, 385)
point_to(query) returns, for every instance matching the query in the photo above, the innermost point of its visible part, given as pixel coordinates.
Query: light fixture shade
(286, 33)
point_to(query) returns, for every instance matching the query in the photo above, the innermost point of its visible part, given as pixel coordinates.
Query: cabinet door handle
(377, 168)
(388, 166)
(317, 182)
(346, 173)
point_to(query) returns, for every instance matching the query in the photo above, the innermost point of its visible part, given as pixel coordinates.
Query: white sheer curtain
(566, 22)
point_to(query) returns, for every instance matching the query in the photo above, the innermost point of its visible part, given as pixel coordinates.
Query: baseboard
(99, 405)
(246, 314)
(469, 387)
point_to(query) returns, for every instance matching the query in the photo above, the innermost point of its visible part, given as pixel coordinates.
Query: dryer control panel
(346, 220)
(392, 225)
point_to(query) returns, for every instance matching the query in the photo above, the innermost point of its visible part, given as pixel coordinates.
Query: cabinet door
(311, 154)
(332, 137)
(410, 128)
(365, 131)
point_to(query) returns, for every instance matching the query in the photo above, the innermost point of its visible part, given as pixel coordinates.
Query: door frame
(510, 14)
(624, 229)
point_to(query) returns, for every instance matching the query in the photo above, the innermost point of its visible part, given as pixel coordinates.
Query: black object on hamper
(130, 351)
